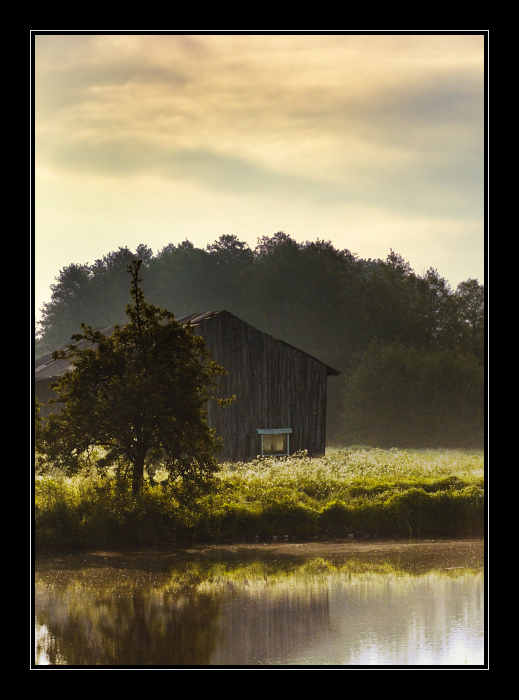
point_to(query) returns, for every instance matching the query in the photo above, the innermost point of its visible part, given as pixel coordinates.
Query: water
(350, 604)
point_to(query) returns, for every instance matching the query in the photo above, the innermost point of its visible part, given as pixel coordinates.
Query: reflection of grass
(377, 492)
(209, 574)
(112, 609)
(320, 572)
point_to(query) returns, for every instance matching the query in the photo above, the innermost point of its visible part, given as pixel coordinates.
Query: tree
(231, 252)
(436, 308)
(389, 299)
(470, 296)
(409, 397)
(83, 293)
(71, 299)
(140, 394)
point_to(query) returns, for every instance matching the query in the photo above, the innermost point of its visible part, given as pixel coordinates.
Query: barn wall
(43, 393)
(276, 387)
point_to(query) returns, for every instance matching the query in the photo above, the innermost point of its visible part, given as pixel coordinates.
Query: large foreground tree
(140, 394)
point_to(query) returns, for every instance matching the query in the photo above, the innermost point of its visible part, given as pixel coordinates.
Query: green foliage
(89, 511)
(404, 396)
(470, 298)
(326, 301)
(380, 493)
(140, 395)
(38, 425)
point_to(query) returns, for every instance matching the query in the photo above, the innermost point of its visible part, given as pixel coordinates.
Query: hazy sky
(370, 141)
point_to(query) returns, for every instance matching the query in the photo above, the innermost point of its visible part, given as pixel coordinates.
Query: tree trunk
(138, 475)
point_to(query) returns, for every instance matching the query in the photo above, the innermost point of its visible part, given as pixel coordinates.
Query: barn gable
(280, 405)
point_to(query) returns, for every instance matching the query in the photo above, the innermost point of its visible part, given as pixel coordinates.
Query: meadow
(356, 492)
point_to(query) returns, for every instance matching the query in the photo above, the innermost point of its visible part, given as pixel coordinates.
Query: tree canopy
(325, 301)
(405, 396)
(139, 395)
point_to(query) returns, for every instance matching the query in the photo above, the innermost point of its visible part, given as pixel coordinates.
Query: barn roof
(195, 319)
(47, 368)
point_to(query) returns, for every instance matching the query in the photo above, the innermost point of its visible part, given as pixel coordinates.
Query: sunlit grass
(341, 472)
(347, 491)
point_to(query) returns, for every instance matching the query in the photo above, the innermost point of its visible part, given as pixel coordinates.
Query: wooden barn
(280, 405)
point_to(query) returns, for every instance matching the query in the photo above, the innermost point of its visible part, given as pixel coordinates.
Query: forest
(410, 349)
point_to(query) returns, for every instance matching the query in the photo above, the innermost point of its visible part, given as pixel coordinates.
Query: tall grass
(380, 493)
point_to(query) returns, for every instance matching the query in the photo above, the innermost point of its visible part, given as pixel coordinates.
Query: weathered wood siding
(276, 386)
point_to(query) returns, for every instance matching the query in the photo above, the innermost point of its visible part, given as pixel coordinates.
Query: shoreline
(411, 550)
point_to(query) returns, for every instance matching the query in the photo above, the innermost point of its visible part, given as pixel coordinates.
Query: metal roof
(47, 368)
(194, 319)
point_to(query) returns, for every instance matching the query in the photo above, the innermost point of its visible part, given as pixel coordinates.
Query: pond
(361, 604)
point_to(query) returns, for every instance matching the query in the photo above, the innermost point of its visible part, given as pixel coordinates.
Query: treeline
(409, 348)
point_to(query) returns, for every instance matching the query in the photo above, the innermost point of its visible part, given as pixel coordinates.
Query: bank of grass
(358, 491)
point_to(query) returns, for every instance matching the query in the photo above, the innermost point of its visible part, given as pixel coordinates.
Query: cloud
(183, 107)
(284, 130)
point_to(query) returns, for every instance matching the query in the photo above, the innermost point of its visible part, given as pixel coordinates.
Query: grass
(380, 493)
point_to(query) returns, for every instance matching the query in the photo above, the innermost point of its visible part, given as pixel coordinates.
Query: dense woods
(410, 349)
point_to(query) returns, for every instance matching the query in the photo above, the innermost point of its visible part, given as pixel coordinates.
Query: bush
(288, 518)
(447, 513)
(379, 492)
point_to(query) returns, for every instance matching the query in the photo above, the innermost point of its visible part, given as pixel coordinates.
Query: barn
(280, 405)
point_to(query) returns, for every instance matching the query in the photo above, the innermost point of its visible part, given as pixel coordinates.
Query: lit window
(275, 442)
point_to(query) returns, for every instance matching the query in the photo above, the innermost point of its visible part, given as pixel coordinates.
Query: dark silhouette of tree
(328, 302)
(403, 396)
(140, 394)
(470, 298)
(71, 302)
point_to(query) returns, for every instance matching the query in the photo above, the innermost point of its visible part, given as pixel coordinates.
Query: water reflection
(403, 604)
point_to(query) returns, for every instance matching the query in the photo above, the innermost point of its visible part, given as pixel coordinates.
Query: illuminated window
(275, 442)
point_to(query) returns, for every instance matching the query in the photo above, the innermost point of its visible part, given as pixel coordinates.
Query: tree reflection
(231, 612)
(131, 628)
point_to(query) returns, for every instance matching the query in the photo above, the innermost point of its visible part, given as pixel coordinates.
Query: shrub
(379, 492)
(288, 518)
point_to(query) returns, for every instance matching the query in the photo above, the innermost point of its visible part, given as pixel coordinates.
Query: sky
(371, 141)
